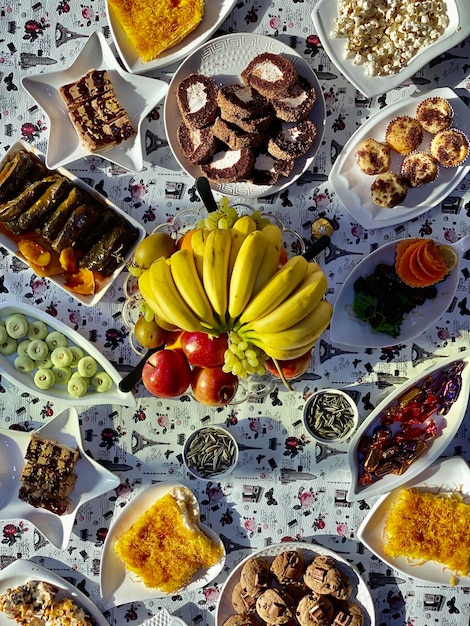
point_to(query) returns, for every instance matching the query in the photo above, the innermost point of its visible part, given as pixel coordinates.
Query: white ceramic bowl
(330, 416)
(210, 453)
(137, 94)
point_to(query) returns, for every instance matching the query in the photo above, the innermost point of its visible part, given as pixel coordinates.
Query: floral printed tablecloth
(285, 486)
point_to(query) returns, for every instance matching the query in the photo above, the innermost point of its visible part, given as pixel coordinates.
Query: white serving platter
(93, 480)
(445, 476)
(449, 424)
(360, 592)
(216, 11)
(22, 571)
(352, 186)
(137, 94)
(347, 329)
(326, 11)
(59, 280)
(59, 393)
(223, 59)
(117, 584)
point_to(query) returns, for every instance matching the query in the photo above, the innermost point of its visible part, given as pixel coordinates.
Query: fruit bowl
(254, 386)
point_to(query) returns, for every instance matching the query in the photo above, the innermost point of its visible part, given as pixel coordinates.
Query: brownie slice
(48, 478)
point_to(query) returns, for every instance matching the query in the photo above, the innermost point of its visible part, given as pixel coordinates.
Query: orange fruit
(184, 242)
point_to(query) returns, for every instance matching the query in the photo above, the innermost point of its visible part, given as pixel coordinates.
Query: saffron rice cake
(422, 527)
(165, 546)
(153, 26)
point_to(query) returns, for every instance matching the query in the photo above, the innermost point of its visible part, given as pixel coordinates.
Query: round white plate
(215, 12)
(22, 571)
(449, 475)
(59, 393)
(59, 279)
(224, 58)
(360, 592)
(348, 330)
(449, 423)
(137, 94)
(326, 11)
(117, 584)
(353, 186)
(93, 480)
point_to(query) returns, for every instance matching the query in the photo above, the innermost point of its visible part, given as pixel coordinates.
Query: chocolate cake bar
(48, 478)
(95, 111)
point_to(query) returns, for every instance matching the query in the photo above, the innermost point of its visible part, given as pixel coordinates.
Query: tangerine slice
(418, 269)
(403, 267)
(432, 258)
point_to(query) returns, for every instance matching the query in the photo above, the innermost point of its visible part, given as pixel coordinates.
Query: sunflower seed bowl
(330, 416)
(210, 453)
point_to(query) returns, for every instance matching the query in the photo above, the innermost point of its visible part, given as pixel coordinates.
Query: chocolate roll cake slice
(272, 75)
(298, 104)
(229, 166)
(292, 142)
(242, 101)
(197, 100)
(234, 136)
(197, 144)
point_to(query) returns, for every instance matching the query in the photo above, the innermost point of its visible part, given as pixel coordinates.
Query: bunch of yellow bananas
(231, 280)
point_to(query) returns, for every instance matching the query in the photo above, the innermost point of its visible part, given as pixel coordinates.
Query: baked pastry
(373, 157)
(449, 147)
(388, 190)
(345, 589)
(323, 575)
(314, 610)
(48, 477)
(95, 111)
(241, 620)
(297, 105)
(404, 134)
(197, 144)
(242, 101)
(196, 96)
(348, 613)
(434, 114)
(292, 142)
(234, 136)
(419, 168)
(153, 27)
(272, 75)
(255, 576)
(274, 606)
(267, 169)
(229, 166)
(242, 602)
(288, 566)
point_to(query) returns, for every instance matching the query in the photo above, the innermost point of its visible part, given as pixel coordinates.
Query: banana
(270, 261)
(298, 335)
(245, 270)
(170, 305)
(241, 228)
(187, 281)
(295, 307)
(215, 269)
(198, 243)
(276, 290)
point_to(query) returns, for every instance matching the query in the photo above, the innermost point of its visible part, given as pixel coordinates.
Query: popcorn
(384, 35)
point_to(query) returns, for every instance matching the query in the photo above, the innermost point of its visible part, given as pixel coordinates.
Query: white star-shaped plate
(93, 480)
(137, 94)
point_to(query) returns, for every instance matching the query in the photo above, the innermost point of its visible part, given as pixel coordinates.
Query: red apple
(167, 373)
(291, 369)
(212, 386)
(203, 350)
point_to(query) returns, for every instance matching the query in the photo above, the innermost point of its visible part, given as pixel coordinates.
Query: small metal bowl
(330, 416)
(210, 453)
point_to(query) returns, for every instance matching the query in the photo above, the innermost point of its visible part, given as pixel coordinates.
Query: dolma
(11, 210)
(108, 219)
(57, 219)
(83, 218)
(39, 211)
(109, 251)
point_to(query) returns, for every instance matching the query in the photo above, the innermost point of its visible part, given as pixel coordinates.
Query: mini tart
(449, 147)
(388, 190)
(373, 157)
(197, 100)
(271, 75)
(434, 114)
(419, 168)
(404, 134)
